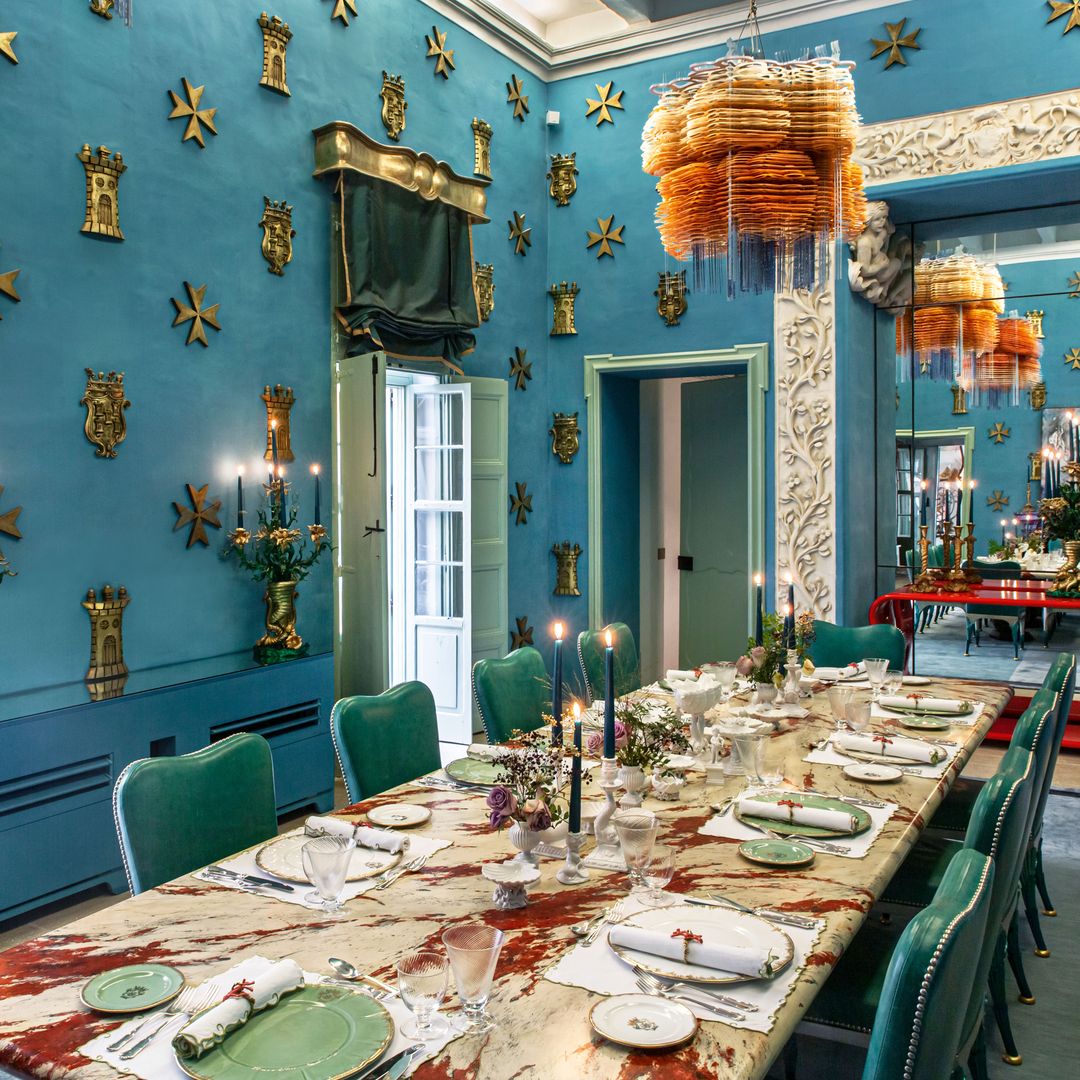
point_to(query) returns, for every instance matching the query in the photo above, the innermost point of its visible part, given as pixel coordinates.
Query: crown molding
(705, 29)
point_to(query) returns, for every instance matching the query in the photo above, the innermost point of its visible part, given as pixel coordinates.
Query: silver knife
(762, 913)
(250, 879)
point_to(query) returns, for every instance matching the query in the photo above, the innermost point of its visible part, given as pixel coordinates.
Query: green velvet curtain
(407, 280)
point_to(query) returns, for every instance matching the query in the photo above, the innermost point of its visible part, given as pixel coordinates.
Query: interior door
(438, 539)
(490, 543)
(714, 521)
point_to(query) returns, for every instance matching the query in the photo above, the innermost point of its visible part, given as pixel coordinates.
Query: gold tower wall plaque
(279, 402)
(103, 172)
(563, 178)
(485, 289)
(959, 400)
(106, 633)
(564, 433)
(1038, 396)
(276, 36)
(481, 148)
(278, 232)
(1036, 320)
(564, 296)
(394, 104)
(671, 297)
(106, 424)
(566, 577)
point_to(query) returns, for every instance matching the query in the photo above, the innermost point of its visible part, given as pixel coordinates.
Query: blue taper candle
(609, 696)
(273, 444)
(239, 496)
(789, 639)
(575, 774)
(556, 688)
(759, 619)
(318, 494)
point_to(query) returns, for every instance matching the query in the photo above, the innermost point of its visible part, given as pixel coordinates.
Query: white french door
(437, 535)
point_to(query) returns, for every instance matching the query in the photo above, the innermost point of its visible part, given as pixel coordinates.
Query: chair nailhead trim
(337, 751)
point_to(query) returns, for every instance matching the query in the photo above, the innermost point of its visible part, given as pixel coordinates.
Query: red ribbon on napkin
(687, 936)
(244, 989)
(791, 804)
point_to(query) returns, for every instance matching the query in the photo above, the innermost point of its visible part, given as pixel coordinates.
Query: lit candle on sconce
(1044, 479)
(923, 502)
(556, 687)
(318, 494)
(971, 501)
(239, 496)
(1004, 522)
(759, 604)
(281, 494)
(273, 444)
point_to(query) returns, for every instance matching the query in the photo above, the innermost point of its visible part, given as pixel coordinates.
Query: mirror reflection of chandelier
(998, 377)
(756, 179)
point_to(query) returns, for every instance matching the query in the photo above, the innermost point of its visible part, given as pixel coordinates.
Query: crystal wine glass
(858, 715)
(422, 980)
(658, 872)
(326, 863)
(839, 699)
(725, 676)
(894, 682)
(637, 833)
(875, 674)
(474, 950)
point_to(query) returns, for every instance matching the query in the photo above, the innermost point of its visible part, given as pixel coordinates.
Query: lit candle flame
(576, 709)
(315, 470)
(608, 639)
(759, 579)
(239, 470)
(281, 472)
(557, 630)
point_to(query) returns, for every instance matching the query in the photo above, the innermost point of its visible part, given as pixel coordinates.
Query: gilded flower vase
(281, 636)
(1068, 577)
(632, 777)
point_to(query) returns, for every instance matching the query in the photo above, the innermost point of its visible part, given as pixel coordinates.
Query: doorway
(693, 493)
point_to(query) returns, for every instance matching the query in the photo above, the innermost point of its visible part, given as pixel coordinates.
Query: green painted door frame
(755, 359)
(965, 435)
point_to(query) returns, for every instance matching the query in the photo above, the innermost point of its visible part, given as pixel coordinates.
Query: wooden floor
(983, 763)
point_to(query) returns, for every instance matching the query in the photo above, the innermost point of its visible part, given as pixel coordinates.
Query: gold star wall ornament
(997, 501)
(7, 286)
(436, 46)
(521, 504)
(196, 117)
(523, 635)
(519, 234)
(6, 49)
(520, 370)
(607, 101)
(1070, 8)
(999, 433)
(342, 9)
(898, 41)
(1073, 357)
(605, 237)
(515, 97)
(8, 519)
(196, 314)
(198, 516)
(1074, 284)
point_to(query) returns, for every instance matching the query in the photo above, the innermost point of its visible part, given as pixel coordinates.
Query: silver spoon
(348, 971)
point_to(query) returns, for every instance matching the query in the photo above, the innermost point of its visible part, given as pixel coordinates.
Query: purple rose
(594, 744)
(622, 736)
(744, 665)
(502, 804)
(757, 655)
(538, 816)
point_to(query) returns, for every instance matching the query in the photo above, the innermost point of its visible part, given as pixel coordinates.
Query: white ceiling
(555, 39)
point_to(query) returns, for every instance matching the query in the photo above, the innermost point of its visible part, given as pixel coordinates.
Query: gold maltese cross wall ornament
(521, 504)
(196, 314)
(515, 97)
(444, 57)
(1070, 8)
(341, 11)
(198, 515)
(606, 236)
(523, 635)
(521, 236)
(897, 42)
(190, 110)
(606, 102)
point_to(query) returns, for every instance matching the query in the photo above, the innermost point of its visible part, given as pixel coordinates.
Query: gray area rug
(1046, 1032)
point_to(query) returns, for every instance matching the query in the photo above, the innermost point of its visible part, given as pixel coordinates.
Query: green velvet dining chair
(382, 740)
(999, 826)
(590, 644)
(177, 814)
(836, 646)
(511, 694)
(901, 997)
(975, 614)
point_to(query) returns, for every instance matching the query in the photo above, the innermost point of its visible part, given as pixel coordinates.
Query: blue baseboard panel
(58, 765)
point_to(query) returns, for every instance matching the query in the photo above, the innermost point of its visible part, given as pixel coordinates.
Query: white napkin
(932, 704)
(679, 675)
(208, 1028)
(480, 751)
(737, 959)
(831, 755)
(819, 817)
(893, 746)
(834, 674)
(379, 839)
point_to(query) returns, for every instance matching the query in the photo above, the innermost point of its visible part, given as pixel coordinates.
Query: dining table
(543, 1027)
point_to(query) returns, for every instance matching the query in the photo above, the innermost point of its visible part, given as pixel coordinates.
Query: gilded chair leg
(1001, 1006)
(1016, 962)
(1040, 882)
(791, 1058)
(1031, 909)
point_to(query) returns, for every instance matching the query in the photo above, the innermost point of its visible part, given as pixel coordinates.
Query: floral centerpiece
(1061, 521)
(278, 554)
(764, 663)
(527, 790)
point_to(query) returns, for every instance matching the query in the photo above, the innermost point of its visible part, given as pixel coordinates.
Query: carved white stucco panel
(805, 516)
(1017, 132)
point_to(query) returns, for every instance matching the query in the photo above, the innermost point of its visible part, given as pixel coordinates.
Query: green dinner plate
(862, 818)
(471, 771)
(926, 723)
(915, 710)
(132, 988)
(317, 1033)
(776, 852)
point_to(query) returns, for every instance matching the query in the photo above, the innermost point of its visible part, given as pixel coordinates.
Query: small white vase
(632, 777)
(764, 693)
(525, 840)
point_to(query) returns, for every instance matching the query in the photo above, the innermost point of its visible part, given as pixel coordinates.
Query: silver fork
(415, 864)
(810, 841)
(614, 914)
(678, 985)
(654, 990)
(186, 1004)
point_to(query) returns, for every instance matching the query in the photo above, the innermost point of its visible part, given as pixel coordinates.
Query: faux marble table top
(544, 1028)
